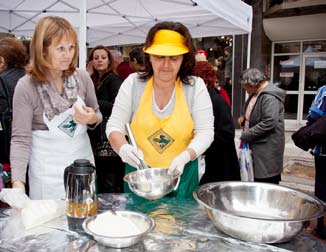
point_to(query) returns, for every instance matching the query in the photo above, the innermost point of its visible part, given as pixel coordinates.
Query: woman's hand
(179, 162)
(241, 121)
(131, 155)
(90, 67)
(84, 115)
(19, 185)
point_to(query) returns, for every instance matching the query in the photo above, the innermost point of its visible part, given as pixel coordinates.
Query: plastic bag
(14, 197)
(245, 162)
(201, 167)
(32, 212)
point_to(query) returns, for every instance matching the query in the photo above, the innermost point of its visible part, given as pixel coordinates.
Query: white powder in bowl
(109, 224)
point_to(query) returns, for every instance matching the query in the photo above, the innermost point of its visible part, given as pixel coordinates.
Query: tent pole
(248, 49)
(82, 34)
(248, 57)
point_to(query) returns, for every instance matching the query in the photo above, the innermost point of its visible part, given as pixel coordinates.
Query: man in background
(121, 67)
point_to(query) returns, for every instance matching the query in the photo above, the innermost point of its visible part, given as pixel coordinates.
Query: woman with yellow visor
(169, 110)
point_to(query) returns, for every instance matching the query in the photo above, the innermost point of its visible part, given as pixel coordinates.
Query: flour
(109, 224)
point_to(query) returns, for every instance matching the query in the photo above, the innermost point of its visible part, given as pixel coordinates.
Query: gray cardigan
(28, 116)
(266, 132)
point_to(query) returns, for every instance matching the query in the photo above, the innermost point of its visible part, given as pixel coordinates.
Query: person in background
(12, 61)
(109, 167)
(136, 59)
(227, 85)
(263, 125)
(318, 109)
(53, 105)
(169, 110)
(228, 64)
(201, 56)
(121, 67)
(223, 93)
(221, 160)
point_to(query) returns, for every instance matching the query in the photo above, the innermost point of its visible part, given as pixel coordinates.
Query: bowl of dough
(152, 183)
(118, 229)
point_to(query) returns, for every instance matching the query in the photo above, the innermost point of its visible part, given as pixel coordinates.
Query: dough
(109, 224)
(38, 212)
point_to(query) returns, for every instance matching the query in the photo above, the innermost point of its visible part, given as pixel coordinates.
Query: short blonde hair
(48, 30)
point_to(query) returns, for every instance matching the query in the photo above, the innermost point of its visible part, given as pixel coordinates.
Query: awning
(296, 27)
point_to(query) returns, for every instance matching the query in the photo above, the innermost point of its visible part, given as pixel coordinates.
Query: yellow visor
(167, 43)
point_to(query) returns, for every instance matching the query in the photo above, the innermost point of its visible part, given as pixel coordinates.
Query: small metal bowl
(153, 183)
(258, 212)
(143, 222)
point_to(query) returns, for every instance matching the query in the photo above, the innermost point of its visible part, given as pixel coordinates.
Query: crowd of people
(168, 94)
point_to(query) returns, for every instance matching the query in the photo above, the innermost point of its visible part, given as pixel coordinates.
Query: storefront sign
(286, 74)
(320, 64)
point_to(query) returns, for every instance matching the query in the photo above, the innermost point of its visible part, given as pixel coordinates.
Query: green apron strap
(188, 182)
(129, 169)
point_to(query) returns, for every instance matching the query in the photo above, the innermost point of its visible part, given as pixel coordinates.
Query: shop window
(286, 72)
(291, 106)
(314, 46)
(291, 47)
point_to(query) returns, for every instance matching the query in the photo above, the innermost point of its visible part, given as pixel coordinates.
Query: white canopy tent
(122, 22)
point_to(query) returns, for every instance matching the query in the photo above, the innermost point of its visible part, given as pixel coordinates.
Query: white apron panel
(51, 152)
(58, 125)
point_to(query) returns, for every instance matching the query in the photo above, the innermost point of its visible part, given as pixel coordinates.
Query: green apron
(188, 182)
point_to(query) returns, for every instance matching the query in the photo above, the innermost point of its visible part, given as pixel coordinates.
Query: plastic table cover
(181, 225)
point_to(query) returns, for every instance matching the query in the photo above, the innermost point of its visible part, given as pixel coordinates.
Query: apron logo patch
(161, 140)
(68, 126)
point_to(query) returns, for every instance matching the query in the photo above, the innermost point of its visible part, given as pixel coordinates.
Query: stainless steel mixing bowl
(258, 212)
(144, 223)
(153, 183)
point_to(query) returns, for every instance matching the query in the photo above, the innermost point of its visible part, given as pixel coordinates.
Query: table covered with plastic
(181, 225)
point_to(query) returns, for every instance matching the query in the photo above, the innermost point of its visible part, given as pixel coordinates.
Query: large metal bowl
(258, 212)
(153, 183)
(144, 223)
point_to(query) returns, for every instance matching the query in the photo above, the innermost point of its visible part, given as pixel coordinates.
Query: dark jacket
(106, 92)
(310, 135)
(318, 133)
(9, 79)
(266, 132)
(221, 157)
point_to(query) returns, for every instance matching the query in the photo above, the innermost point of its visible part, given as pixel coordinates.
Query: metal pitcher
(81, 192)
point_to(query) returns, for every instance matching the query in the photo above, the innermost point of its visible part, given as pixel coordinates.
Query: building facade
(288, 43)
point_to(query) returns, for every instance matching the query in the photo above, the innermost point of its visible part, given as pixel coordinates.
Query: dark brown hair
(49, 30)
(138, 54)
(13, 51)
(188, 62)
(95, 76)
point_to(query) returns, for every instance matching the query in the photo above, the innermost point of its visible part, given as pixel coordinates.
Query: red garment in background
(124, 69)
(224, 94)
(6, 167)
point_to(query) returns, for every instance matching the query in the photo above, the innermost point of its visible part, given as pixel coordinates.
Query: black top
(221, 157)
(8, 82)
(106, 92)
(9, 78)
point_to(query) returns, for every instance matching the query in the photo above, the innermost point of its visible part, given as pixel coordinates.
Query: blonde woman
(53, 106)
